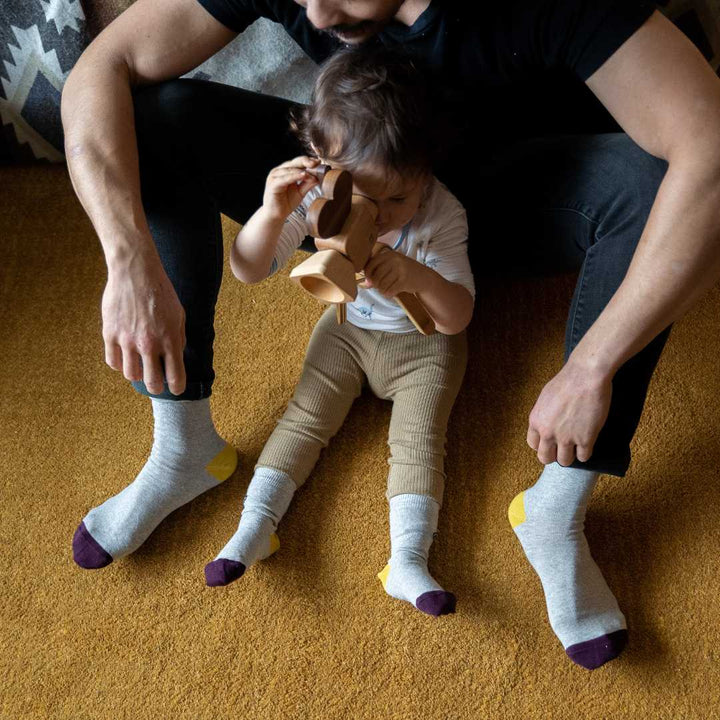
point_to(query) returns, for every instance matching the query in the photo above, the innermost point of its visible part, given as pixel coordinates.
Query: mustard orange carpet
(310, 633)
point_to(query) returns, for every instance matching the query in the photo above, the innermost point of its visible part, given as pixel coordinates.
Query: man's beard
(363, 30)
(348, 33)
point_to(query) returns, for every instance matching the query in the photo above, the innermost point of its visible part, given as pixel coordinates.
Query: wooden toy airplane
(345, 234)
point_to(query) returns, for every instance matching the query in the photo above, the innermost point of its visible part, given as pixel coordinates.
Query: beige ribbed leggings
(420, 374)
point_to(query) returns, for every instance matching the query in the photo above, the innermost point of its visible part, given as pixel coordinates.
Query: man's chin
(356, 37)
(352, 40)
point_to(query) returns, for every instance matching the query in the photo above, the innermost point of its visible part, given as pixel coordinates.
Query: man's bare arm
(667, 98)
(153, 40)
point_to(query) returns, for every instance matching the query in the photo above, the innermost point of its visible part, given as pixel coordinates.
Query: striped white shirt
(436, 237)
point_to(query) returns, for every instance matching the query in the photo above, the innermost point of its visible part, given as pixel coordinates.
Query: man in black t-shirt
(522, 81)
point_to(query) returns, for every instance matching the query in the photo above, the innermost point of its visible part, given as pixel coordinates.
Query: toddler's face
(397, 198)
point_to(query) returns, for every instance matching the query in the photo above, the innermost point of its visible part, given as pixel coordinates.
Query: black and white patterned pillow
(40, 41)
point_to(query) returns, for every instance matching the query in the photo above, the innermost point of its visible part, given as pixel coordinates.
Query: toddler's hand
(392, 273)
(287, 185)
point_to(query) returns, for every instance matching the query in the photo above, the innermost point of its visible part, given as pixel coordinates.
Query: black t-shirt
(507, 67)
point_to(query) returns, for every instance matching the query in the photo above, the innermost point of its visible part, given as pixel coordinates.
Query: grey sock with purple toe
(549, 521)
(188, 457)
(413, 522)
(266, 501)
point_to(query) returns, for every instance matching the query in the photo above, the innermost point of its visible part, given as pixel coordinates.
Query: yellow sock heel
(223, 465)
(383, 575)
(516, 511)
(274, 544)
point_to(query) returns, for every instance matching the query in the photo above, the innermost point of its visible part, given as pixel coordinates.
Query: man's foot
(549, 520)
(188, 457)
(267, 499)
(413, 522)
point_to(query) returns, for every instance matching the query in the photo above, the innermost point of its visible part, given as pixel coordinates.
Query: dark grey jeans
(576, 201)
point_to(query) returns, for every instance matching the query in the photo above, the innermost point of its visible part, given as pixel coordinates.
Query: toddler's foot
(268, 497)
(188, 457)
(413, 522)
(407, 578)
(549, 520)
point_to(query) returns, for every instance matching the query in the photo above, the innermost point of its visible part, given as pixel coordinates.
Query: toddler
(369, 115)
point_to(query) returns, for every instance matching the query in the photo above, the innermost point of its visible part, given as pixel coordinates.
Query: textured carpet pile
(310, 633)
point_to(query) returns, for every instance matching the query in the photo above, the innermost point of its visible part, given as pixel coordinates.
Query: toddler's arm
(448, 288)
(443, 281)
(450, 305)
(255, 245)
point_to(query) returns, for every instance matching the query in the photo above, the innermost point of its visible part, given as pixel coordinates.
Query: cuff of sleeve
(222, 13)
(622, 22)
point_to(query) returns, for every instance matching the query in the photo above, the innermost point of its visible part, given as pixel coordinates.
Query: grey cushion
(265, 59)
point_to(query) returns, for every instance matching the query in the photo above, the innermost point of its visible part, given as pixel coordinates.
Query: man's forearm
(677, 260)
(101, 150)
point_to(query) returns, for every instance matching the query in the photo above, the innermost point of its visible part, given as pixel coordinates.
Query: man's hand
(391, 273)
(569, 414)
(143, 320)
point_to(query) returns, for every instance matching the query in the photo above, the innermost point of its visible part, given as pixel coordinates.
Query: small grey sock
(267, 500)
(413, 522)
(549, 521)
(188, 457)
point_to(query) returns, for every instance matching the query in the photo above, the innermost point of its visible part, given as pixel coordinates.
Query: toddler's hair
(370, 106)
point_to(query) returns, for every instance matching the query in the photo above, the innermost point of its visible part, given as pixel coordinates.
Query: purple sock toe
(87, 553)
(436, 603)
(593, 653)
(223, 572)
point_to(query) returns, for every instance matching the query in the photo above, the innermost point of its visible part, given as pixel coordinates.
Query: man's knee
(163, 108)
(639, 173)
(632, 178)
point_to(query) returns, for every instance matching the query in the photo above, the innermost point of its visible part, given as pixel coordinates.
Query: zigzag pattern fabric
(40, 41)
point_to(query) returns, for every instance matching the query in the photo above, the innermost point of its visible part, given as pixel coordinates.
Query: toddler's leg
(331, 379)
(422, 375)
(549, 520)
(413, 522)
(267, 499)
(188, 457)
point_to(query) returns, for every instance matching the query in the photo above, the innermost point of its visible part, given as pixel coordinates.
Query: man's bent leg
(204, 149)
(586, 201)
(621, 183)
(192, 166)
(579, 201)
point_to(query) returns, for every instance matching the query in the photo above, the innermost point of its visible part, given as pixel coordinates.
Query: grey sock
(413, 522)
(549, 520)
(268, 498)
(187, 458)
